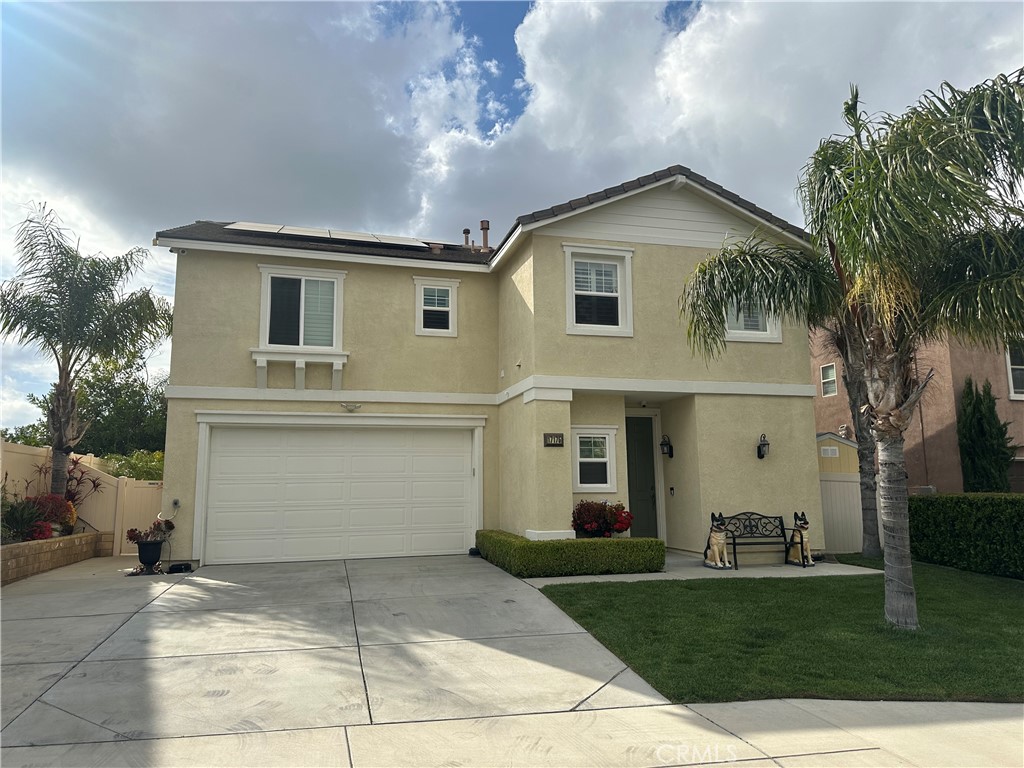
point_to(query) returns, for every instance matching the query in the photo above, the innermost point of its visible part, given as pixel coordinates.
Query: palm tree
(73, 308)
(916, 224)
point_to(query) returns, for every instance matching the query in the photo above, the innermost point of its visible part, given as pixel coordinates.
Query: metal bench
(753, 529)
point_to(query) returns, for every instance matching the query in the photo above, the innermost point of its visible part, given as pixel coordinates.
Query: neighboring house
(931, 448)
(336, 394)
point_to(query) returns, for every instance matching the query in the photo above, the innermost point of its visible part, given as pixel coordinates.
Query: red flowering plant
(599, 519)
(160, 530)
(55, 510)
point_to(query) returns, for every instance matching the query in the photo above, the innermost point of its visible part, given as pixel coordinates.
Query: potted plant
(150, 541)
(600, 519)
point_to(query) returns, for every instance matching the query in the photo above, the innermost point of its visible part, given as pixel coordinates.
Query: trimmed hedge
(980, 532)
(570, 557)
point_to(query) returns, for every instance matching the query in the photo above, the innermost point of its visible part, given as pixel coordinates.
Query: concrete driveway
(418, 661)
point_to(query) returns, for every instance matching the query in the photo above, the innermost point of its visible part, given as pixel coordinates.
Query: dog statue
(799, 551)
(717, 541)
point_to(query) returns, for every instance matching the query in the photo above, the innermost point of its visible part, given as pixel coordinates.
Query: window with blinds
(301, 312)
(596, 293)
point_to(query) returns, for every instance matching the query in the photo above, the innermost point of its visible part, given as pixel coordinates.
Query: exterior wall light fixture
(666, 446)
(762, 447)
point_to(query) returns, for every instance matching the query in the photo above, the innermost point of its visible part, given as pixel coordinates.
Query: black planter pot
(589, 535)
(149, 554)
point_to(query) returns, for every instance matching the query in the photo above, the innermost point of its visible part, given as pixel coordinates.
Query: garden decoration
(150, 542)
(717, 545)
(799, 552)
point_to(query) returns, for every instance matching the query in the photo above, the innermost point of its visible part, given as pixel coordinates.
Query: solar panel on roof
(305, 231)
(392, 240)
(254, 227)
(359, 237)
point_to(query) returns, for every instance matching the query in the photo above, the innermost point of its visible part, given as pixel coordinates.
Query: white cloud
(379, 117)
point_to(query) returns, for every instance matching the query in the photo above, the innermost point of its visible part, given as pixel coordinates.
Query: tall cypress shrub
(985, 446)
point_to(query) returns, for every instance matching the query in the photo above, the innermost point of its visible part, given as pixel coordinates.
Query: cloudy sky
(423, 118)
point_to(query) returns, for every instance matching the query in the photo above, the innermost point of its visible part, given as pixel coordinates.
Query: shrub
(160, 530)
(54, 509)
(986, 450)
(141, 465)
(19, 519)
(41, 529)
(600, 518)
(570, 557)
(981, 532)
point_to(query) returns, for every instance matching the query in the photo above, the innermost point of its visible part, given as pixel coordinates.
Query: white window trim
(1009, 375)
(623, 259)
(607, 432)
(834, 378)
(268, 271)
(773, 334)
(453, 305)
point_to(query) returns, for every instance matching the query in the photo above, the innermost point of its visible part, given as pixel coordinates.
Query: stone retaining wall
(27, 558)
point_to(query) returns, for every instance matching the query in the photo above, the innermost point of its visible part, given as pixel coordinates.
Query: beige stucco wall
(516, 308)
(685, 519)
(658, 347)
(181, 456)
(214, 332)
(535, 482)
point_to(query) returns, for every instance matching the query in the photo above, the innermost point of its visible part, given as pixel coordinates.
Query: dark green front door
(640, 458)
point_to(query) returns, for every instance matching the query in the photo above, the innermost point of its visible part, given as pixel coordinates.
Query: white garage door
(281, 493)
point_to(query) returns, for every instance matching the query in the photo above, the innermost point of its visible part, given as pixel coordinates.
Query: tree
(916, 227)
(986, 449)
(73, 308)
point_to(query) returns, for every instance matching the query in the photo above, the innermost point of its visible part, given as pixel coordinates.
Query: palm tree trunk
(857, 393)
(59, 471)
(900, 597)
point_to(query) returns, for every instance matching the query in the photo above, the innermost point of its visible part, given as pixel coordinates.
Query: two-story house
(932, 448)
(335, 394)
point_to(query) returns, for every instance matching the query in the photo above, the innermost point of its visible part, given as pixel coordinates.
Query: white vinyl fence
(121, 503)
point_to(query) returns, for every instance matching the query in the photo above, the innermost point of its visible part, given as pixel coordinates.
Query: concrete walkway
(419, 661)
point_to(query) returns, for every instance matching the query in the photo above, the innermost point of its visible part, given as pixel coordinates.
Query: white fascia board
(270, 418)
(507, 247)
(640, 386)
(297, 253)
(177, 392)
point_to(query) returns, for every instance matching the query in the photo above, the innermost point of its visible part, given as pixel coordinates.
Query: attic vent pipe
(465, 236)
(485, 225)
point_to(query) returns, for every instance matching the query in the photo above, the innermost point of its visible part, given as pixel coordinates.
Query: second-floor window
(748, 322)
(829, 386)
(598, 291)
(1015, 365)
(437, 306)
(301, 308)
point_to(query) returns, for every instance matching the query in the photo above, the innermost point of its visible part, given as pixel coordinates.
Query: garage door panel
(284, 493)
(244, 492)
(379, 517)
(440, 541)
(295, 522)
(363, 490)
(377, 545)
(440, 516)
(312, 465)
(379, 464)
(313, 492)
(451, 464)
(313, 548)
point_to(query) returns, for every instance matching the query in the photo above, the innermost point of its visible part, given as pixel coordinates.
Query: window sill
(300, 356)
(599, 330)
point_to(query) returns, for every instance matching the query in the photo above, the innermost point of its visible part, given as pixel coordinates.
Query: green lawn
(822, 637)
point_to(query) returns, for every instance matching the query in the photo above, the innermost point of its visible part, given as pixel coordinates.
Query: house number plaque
(554, 439)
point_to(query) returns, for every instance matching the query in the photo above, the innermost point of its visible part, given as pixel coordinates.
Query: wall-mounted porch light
(762, 447)
(666, 446)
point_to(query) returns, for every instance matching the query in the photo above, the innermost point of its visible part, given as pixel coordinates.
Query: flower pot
(149, 554)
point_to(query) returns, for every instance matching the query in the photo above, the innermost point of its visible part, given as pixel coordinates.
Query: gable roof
(678, 172)
(227, 233)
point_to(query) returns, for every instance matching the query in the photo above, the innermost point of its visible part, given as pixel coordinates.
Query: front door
(640, 458)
